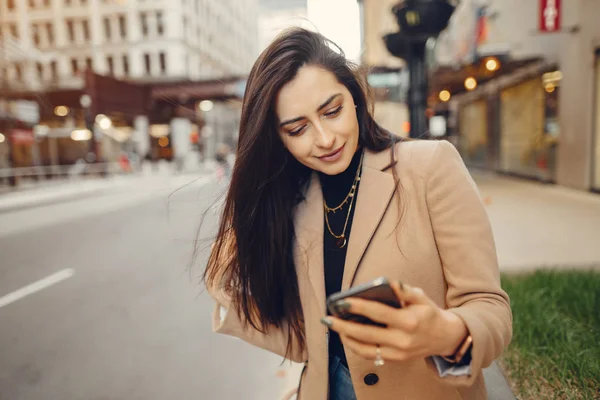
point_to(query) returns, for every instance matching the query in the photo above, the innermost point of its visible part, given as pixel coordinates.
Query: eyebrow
(322, 106)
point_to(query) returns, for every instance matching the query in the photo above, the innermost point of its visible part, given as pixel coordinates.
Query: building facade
(46, 45)
(49, 42)
(542, 120)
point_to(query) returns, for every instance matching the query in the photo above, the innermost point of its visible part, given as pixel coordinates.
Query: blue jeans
(340, 384)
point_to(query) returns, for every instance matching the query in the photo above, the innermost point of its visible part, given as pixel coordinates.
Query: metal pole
(417, 94)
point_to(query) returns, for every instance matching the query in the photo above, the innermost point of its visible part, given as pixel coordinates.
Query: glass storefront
(528, 133)
(473, 133)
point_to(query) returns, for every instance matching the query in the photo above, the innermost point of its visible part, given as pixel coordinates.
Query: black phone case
(376, 290)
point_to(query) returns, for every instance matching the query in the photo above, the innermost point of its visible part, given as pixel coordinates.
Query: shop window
(522, 139)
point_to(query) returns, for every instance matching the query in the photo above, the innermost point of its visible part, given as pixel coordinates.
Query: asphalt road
(126, 319)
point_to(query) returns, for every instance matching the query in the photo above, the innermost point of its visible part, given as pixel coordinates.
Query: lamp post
(419, 21)
(86, 102)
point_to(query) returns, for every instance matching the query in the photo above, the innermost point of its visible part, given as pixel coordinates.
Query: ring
(379, 361)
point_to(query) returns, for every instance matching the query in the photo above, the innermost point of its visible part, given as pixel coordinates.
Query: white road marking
(36, 286)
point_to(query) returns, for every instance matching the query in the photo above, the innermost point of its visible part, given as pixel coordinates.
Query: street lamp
(419, 21)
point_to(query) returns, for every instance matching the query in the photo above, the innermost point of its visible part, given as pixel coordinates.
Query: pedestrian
(323, 199)
(222, 154)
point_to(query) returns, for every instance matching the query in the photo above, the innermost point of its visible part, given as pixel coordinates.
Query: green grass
(555, 351)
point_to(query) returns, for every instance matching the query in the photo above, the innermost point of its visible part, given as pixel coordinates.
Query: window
(89, 64)
(125, 65)
(86, 29)
(159, 23)
(50, 33)
(144, 23)
(13, 31)
(35, 31)
(68, 2)
(18, 72)
(111, 65)
(10, 4)
(122, 26)
(163, 63)
(40, 70)
(32, 4)
(147, 63)
(53, 70)
(107, 28)
(71, 30)
(74, 66)
(46, 3)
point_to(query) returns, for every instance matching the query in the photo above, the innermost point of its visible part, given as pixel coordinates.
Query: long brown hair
(252, 257)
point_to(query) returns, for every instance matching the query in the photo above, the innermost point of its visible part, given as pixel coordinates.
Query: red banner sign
(550, 11)
(22, 136)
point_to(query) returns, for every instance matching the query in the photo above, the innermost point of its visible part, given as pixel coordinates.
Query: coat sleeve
(467, 251)
(225, 320)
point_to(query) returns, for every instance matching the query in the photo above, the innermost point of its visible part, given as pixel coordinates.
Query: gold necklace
(352, 191)
(341, 239)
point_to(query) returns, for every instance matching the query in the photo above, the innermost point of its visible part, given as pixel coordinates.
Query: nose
(324, 138)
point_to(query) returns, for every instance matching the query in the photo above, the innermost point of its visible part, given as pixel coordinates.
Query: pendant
(341, 242)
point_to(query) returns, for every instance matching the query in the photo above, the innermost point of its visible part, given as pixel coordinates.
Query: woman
(322, 199)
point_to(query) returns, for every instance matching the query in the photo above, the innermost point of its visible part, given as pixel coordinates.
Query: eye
(298, 131)
(334, 113)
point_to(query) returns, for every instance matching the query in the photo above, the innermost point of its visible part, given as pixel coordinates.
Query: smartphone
(377, 290)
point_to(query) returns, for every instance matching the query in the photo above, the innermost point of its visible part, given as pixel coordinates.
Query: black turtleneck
(335, 188)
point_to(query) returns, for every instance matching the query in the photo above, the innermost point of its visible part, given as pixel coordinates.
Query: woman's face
(317, 120)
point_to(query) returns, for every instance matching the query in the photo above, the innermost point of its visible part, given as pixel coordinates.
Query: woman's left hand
(419, 329)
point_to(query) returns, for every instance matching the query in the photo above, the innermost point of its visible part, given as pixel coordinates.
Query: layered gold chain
(349, 198)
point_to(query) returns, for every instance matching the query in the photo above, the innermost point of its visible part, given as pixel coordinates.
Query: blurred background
(118, 128)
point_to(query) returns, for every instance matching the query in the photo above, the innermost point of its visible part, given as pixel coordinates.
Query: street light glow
(2, 138)
(81, 134)
(470, 83)
(206, 105)
(103, 121)
(492, 65)
(445, 95)
(61, 111)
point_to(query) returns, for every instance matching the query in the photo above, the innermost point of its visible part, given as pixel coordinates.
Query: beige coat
(443, 244)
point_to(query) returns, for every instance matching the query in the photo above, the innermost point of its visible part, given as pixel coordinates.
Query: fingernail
(342, 305)
(327, 322)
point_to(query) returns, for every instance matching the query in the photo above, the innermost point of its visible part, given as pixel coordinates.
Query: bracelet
(460, 352)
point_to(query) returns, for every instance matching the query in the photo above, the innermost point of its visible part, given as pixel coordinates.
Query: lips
(332, 155)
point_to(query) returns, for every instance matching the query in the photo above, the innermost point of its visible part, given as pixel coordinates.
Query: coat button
(371, 379)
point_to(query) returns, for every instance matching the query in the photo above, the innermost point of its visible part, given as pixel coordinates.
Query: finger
(374, 310)
(362, 332)
(368, 351)
(409, 294)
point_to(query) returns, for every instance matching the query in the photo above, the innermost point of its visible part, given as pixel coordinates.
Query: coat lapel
(308, 252)
(374, 195)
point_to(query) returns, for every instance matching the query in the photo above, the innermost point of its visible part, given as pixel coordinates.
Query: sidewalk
(541, 226)
(50, 192)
